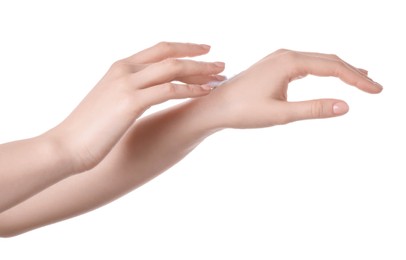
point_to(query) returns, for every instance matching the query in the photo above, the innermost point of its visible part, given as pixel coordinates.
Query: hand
(257, 97)
(130, 87)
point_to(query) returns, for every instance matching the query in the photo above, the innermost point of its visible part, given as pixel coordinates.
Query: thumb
(318, 108)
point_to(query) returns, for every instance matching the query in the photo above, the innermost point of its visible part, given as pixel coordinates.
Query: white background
(322, 189)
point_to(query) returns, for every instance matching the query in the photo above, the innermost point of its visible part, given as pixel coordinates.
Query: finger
(336, 58)
(171, 69)
(314, 109)
(365, 72)
(164, 92)
(202, 79)
(165, 50)
(319, 66)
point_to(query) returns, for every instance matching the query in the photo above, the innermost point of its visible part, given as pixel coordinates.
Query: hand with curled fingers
(131, 86)
(257, 97)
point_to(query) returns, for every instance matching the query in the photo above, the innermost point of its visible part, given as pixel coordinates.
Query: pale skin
(101, 151)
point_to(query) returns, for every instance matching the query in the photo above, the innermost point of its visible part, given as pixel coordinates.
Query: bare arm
(91, 131)
(28, 166)
(153, 145)
(157, 142)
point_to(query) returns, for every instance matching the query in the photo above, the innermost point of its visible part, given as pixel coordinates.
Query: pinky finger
(365, 72)
(167, 91)
(205, 79)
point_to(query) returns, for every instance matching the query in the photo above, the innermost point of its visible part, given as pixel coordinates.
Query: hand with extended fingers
(104, 120)
(257, 97)
(131, 86)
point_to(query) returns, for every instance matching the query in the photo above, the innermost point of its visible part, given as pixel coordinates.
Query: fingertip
(340, 108)
(373, 87)
(219, 64)
(370, 86)
(378, 87)
(205, 47)
(365, 72)
(220, 77)
(199, 91)
(206, 87)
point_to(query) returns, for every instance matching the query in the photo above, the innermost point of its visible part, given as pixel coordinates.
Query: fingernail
(206, 87)
(378, 86)
(219, 64)
(214, 84)
(340, 108)
(220, 77)
(365, 72)
(205, 46)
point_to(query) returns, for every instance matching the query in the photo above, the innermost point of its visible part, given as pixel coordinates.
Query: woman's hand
(257, 97)
(131, 86)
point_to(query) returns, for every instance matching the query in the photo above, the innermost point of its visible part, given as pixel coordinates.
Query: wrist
(59, 153)
(205, 115)
(215, 109)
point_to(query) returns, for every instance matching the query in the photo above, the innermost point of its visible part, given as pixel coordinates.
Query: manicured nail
(340, 108)
(205, 46)
(365, 72)
(214, 84)
(206, 87)
(219, 64)
(378, 86)
(220, 77)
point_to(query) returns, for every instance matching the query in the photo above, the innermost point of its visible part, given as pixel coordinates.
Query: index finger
(165, 50)
(320, 66)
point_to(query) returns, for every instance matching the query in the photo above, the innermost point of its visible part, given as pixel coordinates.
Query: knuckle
(339, 68)
(317, 109)
(119, 66)
(282, 50)
(172, 62)
(173, 65)
(209, 67)
(290, 60)
(290, 55)
(169, 89)
(277, 53)
(333, 56)
(164, 46)
(192, 89)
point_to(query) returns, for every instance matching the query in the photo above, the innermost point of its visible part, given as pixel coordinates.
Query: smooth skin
(101, 152)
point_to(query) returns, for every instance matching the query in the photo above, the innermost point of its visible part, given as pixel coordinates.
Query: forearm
(151, 146)
(29, 166)
(160, 141)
